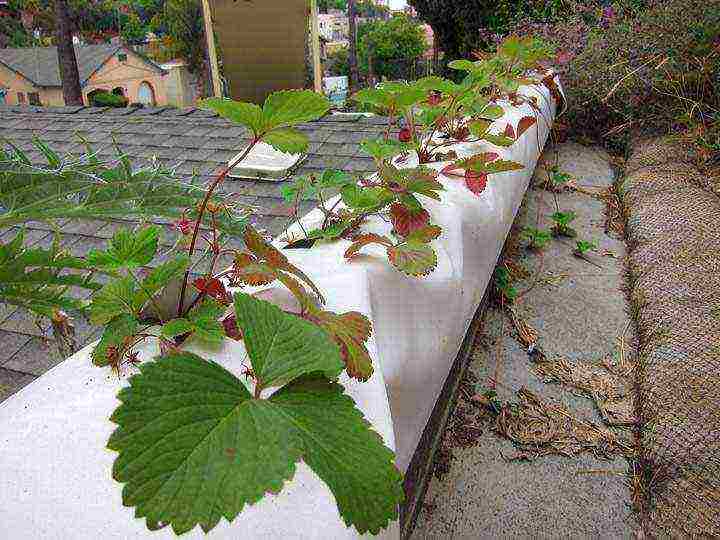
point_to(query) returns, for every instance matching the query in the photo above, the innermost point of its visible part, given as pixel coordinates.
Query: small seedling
(562, 224)
(537, 238)
(503, 283)
(557, 178)
(582, 247)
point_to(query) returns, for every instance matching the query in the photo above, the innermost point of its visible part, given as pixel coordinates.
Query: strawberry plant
(562, 222)
(583, 247)
(504, 285)
(537, 239)
(211, 442)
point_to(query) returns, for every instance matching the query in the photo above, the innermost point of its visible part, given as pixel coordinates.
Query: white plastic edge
(55, 472)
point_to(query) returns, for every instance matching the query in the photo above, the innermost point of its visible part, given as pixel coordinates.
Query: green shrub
(107, 99)
(651, 69)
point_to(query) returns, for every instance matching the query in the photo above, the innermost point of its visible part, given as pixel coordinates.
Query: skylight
(265, 162)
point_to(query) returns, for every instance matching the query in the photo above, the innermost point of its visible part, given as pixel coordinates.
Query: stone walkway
(578, 309)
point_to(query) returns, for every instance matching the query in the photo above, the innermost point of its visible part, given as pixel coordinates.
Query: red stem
(223, 174)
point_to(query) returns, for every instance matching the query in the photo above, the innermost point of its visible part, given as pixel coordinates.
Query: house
(31, 76)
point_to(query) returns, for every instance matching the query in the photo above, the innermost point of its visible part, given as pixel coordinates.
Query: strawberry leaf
(114, 299)
(476, 181)
(413, 258)
(246, 114)
(365, 240)
(194, 446)
(350, 331)
(405, 220)
(498, 140)
(288, 140)
(425, 234)
(525, 123)
(283, 347)
(292, 107)
(115, 338)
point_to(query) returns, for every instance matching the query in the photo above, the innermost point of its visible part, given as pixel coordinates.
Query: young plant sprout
(562, 222)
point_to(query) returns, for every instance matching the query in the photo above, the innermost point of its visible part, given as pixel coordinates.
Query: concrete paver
(578, 310)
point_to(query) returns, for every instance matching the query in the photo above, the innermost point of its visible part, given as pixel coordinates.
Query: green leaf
(114, 299)
(115, 336)
(424, 234)
(497, 166)
(413, 258)
(283, 347)
(374, 96)
(365, 198)
(381, 149)
(290, 141)
(202, 322)
(462, 65)
(479, 127)
(205, 319)
(193, 446)
(160, 277)
(292, 107)
(127, 249)
(492, 112)
(498, 140)
(177, 327)
(247, 114)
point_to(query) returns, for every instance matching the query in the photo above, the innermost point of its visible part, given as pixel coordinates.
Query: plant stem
(203, 207)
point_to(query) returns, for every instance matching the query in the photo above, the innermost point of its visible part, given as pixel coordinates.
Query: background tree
(66, 55)
(457, 23)
(325, 5)
(392, 46)
(352, 50)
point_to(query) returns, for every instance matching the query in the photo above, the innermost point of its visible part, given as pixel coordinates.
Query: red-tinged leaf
(475, 181)
(449, 170)
(525, 123)
(425, 234)
(405, 135)
(405, 220)
(231, 328)
(256, 243)
(477, 159)
(214, 288)
(363, 240)
(550, 84)
(509, 131)
(350, 331)
(413, 258)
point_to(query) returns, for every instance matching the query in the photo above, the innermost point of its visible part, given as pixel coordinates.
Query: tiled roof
(40, 64)
(189, 140)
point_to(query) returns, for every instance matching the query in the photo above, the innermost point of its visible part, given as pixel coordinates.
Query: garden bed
(52, 452)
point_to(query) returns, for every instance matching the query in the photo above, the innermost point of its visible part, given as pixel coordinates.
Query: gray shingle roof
(191, 141)
(40, 64)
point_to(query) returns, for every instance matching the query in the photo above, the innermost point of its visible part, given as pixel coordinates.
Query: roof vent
(264, 161)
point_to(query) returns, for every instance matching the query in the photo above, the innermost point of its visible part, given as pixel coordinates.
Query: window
(34, 98)
(146, 94)
(21, 98)
(122, 57)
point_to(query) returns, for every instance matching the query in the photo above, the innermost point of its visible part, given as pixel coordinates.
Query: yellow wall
(16, 83)
(128, 75)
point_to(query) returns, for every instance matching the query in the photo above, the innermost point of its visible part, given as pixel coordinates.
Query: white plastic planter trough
(55, 472)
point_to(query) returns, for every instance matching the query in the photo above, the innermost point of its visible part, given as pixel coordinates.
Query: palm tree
(352, 53)
(66, 55)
